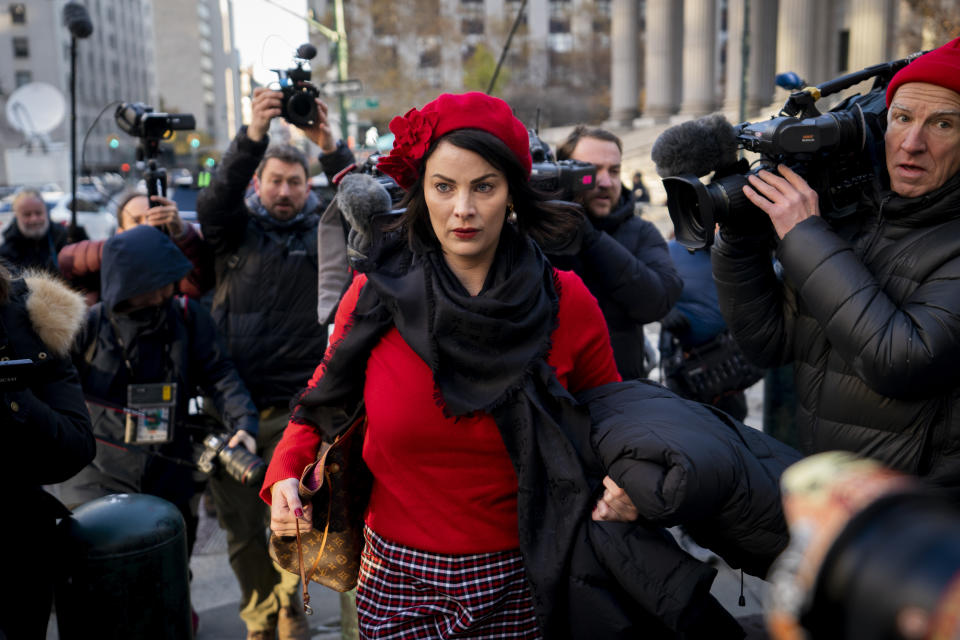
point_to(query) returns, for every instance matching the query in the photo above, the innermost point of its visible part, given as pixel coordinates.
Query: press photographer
(868, 308)
(142, 354)
(266, 248)
(622, 258)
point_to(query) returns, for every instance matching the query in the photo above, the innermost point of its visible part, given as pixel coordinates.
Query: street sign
(337, 87)
(359, 102)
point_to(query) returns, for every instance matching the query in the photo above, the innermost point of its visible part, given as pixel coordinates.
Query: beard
(35, 232)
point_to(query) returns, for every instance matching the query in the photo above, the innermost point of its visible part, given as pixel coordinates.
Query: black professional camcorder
(246, 468)
(141, 121)
(563, 179)
(299, 95)
(839, 153)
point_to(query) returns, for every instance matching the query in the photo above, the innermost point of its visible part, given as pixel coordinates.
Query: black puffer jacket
(26, 253)
(627, 267)
(686, 463)
(869, 313)
(265, 299)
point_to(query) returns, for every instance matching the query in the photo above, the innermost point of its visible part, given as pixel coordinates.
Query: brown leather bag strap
(323, 544)
(307, 609)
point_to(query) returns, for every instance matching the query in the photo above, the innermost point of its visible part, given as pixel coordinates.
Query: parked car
(94, 213)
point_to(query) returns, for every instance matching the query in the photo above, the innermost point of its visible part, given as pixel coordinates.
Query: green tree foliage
(478, 70)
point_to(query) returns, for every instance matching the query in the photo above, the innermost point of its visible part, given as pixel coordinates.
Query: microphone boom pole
(77, 20)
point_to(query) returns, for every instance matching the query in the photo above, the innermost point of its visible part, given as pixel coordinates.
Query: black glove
(675, 322)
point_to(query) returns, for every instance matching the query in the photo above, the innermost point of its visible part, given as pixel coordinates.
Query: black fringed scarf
(487, 353)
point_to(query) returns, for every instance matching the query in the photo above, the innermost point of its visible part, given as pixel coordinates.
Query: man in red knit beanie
(867, 308)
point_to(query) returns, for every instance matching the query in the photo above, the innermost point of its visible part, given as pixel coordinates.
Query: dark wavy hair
(548, 222)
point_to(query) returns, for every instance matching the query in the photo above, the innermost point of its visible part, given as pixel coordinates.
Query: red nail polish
(298, 512)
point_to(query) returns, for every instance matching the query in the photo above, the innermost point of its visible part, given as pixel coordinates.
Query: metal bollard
(126, 572)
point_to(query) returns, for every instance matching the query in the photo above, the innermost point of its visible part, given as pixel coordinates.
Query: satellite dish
(35, 108)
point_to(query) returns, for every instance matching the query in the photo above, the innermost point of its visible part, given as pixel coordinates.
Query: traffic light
(209, 162)
(203, 179)
(125, 167)
(194, 142)
(113, 142)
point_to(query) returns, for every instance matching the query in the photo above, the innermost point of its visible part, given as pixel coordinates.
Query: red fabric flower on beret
(940, 67)
(416, 130)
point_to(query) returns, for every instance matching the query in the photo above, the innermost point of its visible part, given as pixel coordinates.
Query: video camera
(839, 153)
(141, 121)
(299, 106)
(564, 179)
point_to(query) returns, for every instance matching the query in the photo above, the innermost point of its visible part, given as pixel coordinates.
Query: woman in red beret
(463, 346)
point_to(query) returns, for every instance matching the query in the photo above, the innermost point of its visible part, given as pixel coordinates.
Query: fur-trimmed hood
(56, 311)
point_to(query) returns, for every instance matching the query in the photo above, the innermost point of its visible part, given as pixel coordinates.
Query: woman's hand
(286, 509)
(163, 213)
(614, 505)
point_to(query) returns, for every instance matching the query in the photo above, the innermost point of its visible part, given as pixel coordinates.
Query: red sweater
(445, 485)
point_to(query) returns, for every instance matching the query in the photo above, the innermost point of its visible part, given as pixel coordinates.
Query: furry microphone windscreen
(361, 198)
(697, 146)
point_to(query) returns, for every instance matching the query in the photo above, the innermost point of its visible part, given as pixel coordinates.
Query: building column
(871, 32)
(735, 42)
(699, 55)
(538, 27)
(663, 59)
(796, 35)
(761, 66)
(623, 62)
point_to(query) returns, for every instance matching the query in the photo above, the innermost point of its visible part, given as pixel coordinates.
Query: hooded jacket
(265, 299)
(869, 313)
(173, 342)
(627, 267)
(28, 253)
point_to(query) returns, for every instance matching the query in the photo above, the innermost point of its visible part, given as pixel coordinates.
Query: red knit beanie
(416, 130)
(940, 67)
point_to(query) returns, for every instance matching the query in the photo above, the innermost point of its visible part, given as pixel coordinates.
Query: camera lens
(246, 468)
(302, 110)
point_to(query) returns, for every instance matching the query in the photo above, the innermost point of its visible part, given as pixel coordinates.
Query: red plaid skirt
(405, 593)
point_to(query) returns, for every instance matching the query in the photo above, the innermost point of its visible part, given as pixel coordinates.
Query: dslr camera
(246, 468)
(299, 106)
(839, 154)
(563, 179)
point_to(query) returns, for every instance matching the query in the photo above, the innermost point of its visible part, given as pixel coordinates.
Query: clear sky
(267, 36)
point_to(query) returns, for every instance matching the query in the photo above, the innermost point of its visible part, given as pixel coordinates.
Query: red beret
(940, 67)
(416, 130)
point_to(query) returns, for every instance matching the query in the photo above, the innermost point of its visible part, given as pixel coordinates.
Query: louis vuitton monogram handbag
(338, 486)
